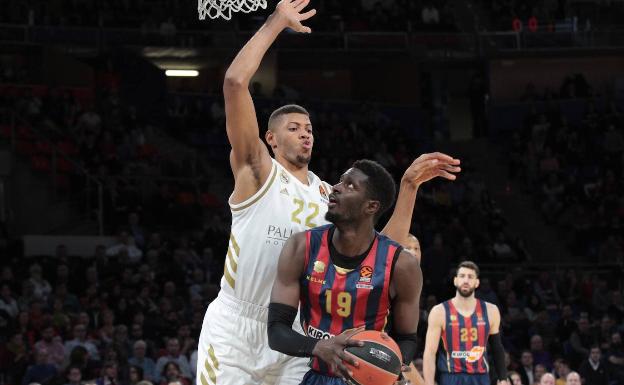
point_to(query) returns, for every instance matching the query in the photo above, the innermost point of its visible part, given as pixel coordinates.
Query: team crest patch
(284, 178)
(319, 267)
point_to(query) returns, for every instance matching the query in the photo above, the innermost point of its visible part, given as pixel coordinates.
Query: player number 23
(464, 332)
(313, 207)
(343, 300)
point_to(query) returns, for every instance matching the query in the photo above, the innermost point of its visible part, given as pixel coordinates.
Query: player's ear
(269, 136)
(477, 284)
(372, 207)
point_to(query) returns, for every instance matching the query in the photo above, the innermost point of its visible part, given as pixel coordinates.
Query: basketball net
(224, 8)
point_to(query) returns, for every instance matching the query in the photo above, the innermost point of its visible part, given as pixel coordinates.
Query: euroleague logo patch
(366, 272)
(470, 356)
(366, 276)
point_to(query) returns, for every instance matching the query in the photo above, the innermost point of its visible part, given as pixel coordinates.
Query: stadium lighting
(182, 73)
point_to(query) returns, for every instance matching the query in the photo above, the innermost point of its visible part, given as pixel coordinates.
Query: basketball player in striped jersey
(412, 245)
(272, 199)
(459, 331)
(345, 276)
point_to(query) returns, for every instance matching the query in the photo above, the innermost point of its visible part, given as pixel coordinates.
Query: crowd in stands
(16, 69)
(574, 168)
(552, 323)
(132, 311)
(350, 131)
(105, 138)
(168, 17)
(551, 15)
(106, 135)
(136, 309)
(129, 312)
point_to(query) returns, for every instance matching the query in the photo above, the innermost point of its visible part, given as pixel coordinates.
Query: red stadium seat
(207, 199)
(24, 132)
(25, 147)
(43, 148)
(62, 182)
(63, 165)
(186, 198)
(40, 163)
(5, 131)
(67, 147)
(147, 151)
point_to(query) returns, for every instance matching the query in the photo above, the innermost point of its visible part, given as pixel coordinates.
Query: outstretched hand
(429, 166)
(290, 13)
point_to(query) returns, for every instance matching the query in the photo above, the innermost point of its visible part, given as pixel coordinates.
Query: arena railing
(423, 43)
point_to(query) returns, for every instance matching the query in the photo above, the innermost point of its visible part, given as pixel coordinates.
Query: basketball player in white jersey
(273, 198)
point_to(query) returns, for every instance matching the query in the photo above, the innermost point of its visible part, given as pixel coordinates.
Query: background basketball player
(272, 199)
(413, 246)
(345, 276)
(463, 325)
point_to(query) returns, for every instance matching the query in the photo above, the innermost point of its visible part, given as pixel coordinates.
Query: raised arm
(423, 169)
(250, 159)
(407, 283)
(432, 341)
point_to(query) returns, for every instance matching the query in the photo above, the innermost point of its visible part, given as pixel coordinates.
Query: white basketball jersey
(262, 224)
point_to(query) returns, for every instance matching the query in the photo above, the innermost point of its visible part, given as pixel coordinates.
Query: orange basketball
(379, 360)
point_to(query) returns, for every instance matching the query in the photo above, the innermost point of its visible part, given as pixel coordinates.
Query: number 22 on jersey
(312, 209)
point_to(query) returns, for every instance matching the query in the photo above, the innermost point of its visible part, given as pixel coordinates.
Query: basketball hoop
(224, 8)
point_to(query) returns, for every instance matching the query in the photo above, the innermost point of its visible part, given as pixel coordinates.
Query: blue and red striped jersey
(334, 300)
(464, 340)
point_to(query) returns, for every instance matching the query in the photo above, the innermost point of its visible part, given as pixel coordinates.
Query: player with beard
(463, 326)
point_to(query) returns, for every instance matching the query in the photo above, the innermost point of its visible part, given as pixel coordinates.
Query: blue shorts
(464, 379)
(315, 378)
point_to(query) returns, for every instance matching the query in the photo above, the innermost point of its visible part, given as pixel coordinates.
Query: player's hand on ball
(331, 351)
(429, 166)
(290, 13)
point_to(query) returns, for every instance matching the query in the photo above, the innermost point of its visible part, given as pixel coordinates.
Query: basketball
(379, 360)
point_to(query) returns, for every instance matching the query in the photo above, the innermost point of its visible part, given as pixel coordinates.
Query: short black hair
(380, 186)
(469, 265)
(287, 109)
